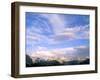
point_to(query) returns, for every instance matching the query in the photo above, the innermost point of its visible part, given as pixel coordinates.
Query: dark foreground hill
(41, 62)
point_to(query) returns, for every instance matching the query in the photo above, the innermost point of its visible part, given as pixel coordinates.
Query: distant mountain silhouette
(73, 62)
(28, 61)
(86, 61)
(77, 62)
(41, 62)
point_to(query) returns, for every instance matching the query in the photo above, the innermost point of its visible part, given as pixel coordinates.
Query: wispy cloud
(73, 33)
(53, 30)
(57, 22)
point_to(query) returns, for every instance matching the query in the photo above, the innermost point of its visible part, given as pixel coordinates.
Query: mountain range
(37, 62)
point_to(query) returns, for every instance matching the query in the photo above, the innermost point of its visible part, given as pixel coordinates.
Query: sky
(50, 35)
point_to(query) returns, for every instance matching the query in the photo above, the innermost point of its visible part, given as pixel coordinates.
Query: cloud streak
(54, 35)
(73, 33)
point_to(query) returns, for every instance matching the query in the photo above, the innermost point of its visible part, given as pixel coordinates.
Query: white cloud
(42, 53)
(70, 53)
(83, 35)
(61, 29)
(61, 33)
(31, 35)
(63, 36)
(83, 51)
(57, 22)
(72, 33)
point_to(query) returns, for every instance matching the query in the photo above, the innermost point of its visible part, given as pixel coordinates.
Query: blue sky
(57, 34)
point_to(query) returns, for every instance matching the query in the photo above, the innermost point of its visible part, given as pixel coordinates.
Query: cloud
(83, 51)
(42, 53)
(84, 35)
(32, 35)
(52, 29)
(60, 27)
(79, 32)
(71, 53)
(63, 36)
(57, 21)
(55, 24)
